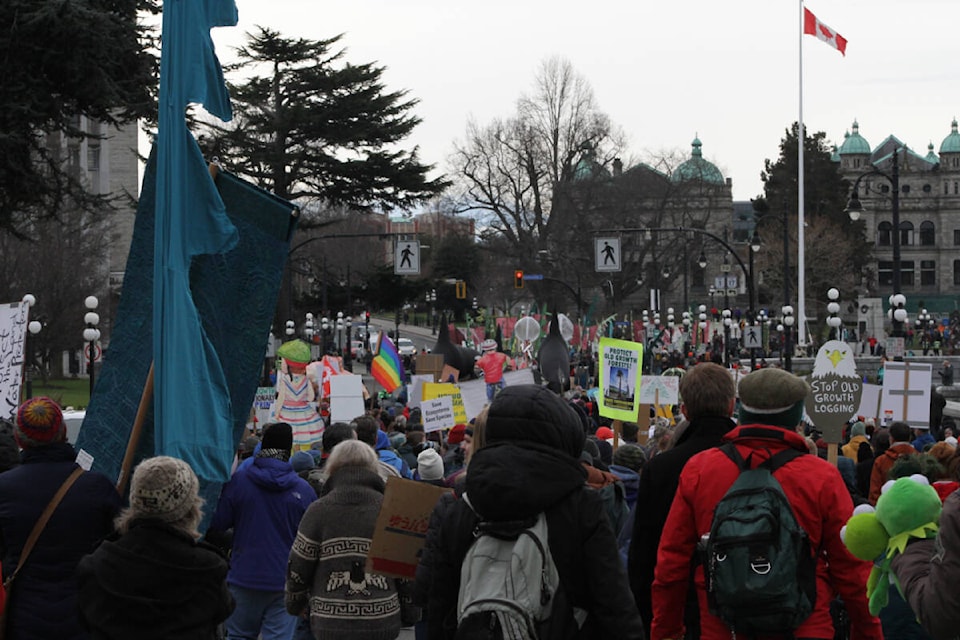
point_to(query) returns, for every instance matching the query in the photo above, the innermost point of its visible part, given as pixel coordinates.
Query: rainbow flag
(387, 365)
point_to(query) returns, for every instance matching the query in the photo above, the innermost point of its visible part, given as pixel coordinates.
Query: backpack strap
(774, 462)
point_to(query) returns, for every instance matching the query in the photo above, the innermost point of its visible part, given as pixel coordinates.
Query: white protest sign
(13, 332)
(870, 401)
(346, 397)
(415, 391)
(660, 390)
(474, 394)
(906, 392)
(521, 376)
(438, 414)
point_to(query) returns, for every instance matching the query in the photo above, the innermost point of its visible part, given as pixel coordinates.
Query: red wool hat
(456, 434)
(605, 433)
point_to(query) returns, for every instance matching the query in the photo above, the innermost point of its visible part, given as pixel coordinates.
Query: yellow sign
(619, 380)
(433, 390)
(461, 288)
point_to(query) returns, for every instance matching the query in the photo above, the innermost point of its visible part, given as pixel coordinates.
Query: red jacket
(822, 506)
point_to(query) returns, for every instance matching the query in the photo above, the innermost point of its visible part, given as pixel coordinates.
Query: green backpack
(759, 569)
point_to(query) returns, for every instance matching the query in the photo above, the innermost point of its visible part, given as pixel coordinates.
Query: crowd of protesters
(284, 554)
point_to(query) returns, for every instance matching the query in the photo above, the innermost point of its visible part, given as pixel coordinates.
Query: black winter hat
(530, 413)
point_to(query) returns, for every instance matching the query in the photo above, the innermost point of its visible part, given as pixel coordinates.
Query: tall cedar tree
(308, 125)
(836, 254)
(60, 59)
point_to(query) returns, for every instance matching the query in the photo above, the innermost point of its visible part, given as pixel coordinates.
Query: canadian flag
(814, 27)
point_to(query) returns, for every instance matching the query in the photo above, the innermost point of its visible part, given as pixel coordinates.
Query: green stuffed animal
(907, 508)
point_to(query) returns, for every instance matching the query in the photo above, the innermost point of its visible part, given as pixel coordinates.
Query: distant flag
(192, 408)
(387, 365)
(812, 26)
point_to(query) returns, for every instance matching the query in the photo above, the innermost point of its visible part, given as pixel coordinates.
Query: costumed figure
(295, 395)
(492, 363)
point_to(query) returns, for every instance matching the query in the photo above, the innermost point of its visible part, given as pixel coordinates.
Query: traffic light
(518, 279)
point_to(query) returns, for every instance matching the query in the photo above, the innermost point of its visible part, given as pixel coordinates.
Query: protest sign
(835, 390)
(438, 414)
(433, 390)
(13, 332)
(620, 374)
(401, 528)
(906, 393)
(346, 397)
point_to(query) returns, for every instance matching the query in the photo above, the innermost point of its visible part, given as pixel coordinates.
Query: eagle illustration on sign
(835, 389)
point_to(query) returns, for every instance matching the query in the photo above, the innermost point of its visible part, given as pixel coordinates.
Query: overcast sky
(662, 70)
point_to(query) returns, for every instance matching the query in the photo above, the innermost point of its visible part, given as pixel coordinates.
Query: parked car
(405, 347)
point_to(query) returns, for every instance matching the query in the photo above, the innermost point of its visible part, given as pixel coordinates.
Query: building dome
(587, 168)
(931, 157)
(951, 144)
(696, 168)
(853, 142)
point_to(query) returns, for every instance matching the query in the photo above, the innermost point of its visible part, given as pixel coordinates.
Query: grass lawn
(69, 392)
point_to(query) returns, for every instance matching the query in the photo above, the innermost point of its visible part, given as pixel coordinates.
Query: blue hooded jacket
(386, 454)
(263, 504)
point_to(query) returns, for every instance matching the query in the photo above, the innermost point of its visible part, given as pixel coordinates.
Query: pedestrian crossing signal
(461, 289)
(518, 279)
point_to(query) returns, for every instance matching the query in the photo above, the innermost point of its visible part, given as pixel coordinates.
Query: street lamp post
(855, 208)
(348, 324)
(33, 328)
(324, 332)
(91, 334)
(727, 321)
(833, 320)
(788, 320)
(340, 332)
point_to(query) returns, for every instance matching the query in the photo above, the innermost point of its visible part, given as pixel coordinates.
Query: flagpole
(801, 137)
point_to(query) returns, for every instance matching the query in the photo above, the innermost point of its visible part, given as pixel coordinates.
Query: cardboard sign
(430, 364)
(870, 402)
(474, 395)
(346, 398)
(433, 390)
(520, 376)
(835, 390)
(401, 529)
(438, 414)
(620, 372)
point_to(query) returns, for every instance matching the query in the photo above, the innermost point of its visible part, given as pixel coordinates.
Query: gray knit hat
(772, 396)
(164, 488)
(630, 456)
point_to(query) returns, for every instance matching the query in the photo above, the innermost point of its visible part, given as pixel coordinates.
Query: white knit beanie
(164, 488)
(430, 465)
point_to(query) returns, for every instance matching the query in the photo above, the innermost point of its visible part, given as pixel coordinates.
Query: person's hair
(864, 452)
(335, 434)
(629, 431)
(367, 427)
(942, 452)
(352, 453)
(707, 390)
(478, 439)
(682, 426)
(881, 442)
(415, 438)
(900, 432)
(922, 463)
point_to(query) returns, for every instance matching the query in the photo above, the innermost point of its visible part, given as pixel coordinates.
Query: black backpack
(759, 569)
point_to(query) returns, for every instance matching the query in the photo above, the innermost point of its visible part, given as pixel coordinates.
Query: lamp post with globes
(898, 317)
(727, 322)
(33, 328)
(833, 319)
(90, 335)
(787, 323)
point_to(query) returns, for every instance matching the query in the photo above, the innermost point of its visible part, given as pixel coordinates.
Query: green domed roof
(951, 144)
(696, 168)
(853, 142)
(588, 168)
(931, 156)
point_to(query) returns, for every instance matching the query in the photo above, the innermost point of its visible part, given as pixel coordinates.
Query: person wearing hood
(43, 600)
(858, 434)
(708, 398)
(263, 504)
(530, 464)
(156, 580)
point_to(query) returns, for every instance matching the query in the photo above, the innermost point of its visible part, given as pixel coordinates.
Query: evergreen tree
(58, 61)
(309, 126)
(835, 251)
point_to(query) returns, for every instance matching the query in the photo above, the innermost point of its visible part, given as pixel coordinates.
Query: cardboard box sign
(401, 529)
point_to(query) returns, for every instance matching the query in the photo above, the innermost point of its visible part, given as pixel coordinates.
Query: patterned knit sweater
(328, 558)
